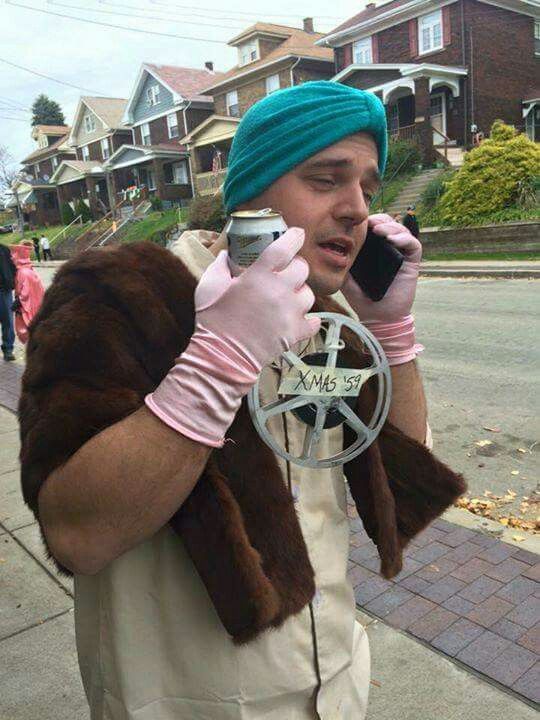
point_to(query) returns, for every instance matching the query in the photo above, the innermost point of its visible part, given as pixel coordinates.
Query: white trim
(234, 78)
(443, 115)
(98, 170)
(441, 69)
(147, 152)
(77, 120)
(530, 104)
(251, 44)
(139, 82)
(439, 22)
(148, 135)
(213, 118)
(436, 81)
(176, 124)
(270, 77)
(368, 42)
(342, 74)
(409, 11)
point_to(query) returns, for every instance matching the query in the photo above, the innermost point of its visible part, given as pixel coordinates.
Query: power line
(47, 77)
(144, 17)
(13, 103)
(3, 117)
(237, 12)
(116, 27)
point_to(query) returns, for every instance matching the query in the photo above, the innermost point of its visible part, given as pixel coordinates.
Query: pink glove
(390, 319)
(241, 324)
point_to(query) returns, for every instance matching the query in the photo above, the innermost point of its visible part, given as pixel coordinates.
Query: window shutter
(447, 32)
(413, 37)
(347, 55)
(375, 48)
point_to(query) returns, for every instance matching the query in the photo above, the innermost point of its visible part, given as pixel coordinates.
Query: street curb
(517, 274)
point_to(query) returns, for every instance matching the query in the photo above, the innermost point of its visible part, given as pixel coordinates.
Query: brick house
(167, 102)
(97, 132)
(270, 57)
(442, 67)
(35, 193)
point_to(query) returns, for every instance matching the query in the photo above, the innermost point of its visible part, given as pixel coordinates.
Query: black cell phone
(376, 266)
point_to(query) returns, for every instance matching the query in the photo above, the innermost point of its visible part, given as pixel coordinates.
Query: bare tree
(8, 170)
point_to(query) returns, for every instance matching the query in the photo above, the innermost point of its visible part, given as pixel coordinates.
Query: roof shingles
(187, 82)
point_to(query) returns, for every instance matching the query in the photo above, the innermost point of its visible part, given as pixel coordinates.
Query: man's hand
(398, 301)
(241, 324)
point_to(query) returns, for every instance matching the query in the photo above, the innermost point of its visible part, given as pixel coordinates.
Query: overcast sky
(105, 60)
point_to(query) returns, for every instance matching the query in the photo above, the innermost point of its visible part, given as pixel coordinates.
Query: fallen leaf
(376, 683)
(522, 450)
(503, 521)
(518, 538)
(514, 472)
(483, 443)
(492, 429)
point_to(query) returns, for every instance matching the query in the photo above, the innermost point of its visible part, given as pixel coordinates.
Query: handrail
(109, 232)
(63, 230)
(446, 141)
(388, 180)
(95, 225)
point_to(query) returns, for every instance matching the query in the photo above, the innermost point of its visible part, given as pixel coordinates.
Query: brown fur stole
(108, 331)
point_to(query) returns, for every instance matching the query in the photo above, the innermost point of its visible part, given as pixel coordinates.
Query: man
(182, 528)
(37, 253)
(46, 247)
(7, 283)
(410, 221)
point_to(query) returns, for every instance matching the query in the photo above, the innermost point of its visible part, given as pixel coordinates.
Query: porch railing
(406, 132)
(209, 183)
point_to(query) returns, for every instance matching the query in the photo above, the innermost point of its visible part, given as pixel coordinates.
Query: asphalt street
(481, 368)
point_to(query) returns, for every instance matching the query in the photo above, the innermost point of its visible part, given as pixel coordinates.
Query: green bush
(83, 210)
(435, 189)
(491, 177)
(156, 203)
(403, 155)
(207, 213)
(68, 216)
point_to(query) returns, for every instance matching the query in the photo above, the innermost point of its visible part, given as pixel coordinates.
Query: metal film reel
(316, 393)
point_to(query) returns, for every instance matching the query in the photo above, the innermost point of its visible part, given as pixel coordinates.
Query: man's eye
(327, 182)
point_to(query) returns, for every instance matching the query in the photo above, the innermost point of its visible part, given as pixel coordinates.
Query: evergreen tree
(47, 112)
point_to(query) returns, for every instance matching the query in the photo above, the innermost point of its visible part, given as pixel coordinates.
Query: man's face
(328, 195)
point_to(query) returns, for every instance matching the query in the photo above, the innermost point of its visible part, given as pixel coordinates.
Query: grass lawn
(50, 232)
(391, 191)
(153, 223)
(526, 256)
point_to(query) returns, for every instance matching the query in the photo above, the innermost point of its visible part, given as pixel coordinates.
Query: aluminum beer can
(249, 232)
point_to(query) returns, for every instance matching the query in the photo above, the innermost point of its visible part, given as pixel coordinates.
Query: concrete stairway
(412, 192)
(455, 156)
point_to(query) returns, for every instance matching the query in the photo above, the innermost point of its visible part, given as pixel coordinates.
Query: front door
(437, 113)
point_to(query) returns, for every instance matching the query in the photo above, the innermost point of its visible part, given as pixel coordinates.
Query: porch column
(422, 119)
(157, 167)
(90, 183)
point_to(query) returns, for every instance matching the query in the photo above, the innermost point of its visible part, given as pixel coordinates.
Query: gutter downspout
(292, 73)
(465, 79)
(184, 110)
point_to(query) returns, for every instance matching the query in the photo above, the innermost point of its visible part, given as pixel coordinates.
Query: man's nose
(351, 207)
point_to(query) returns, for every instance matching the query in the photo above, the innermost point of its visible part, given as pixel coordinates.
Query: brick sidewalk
(468, 595)
(10, 384)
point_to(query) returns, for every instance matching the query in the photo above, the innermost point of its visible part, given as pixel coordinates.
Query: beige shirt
(151, 646)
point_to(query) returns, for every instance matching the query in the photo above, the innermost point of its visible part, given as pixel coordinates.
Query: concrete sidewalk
(39, 677)
(517, 269)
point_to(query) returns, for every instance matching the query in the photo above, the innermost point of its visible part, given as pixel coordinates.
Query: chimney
(371, 6)
(209, 65)
(308, 25)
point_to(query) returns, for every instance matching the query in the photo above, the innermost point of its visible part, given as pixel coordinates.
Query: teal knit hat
(290, 125)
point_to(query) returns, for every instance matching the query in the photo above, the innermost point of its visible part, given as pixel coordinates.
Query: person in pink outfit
(29, 290)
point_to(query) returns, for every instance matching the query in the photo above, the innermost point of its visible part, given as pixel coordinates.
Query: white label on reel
(323, 381)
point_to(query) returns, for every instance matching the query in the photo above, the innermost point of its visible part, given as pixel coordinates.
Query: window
(272, 84)
(85, 153)
(179, 173)
(430, 36)
(233, 108)
(105, 148)
(36, 170)
(248, 53)
(54, 162)
(362, 52)
(145, 134)
(151, 179)
(172, 125)
(89, 123)
(43, 141)
(152, 95)
(537, 38)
